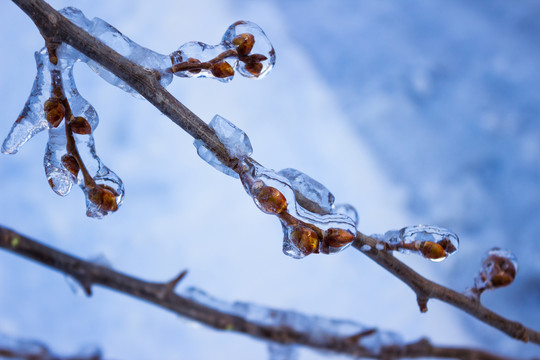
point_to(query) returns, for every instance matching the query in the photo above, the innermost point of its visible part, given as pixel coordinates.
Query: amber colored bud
(222, 70)
(271, 200)
(195, 62)
(432, 250)
(254, 68)
(305, 239)
(447, 245)
(54, 111)
(80, 125)
(104, 197)
(502, 271)
(244, 43)
(338, 237)
(71, 164)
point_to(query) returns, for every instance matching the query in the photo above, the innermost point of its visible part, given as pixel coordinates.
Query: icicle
(282, 352)
(432, 242)
(32, 118)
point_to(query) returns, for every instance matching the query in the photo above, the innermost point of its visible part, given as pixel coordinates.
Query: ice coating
(499, 269)
(320, 330)
(30, 349)
(432, 242)
(244, 48)
(236, 143)
(113, 38)
(31, 120)
(233, 37)
(349, 210)
(305, 232)
(310, 194)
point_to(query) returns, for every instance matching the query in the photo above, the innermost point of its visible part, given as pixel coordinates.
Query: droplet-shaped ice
(432, 242)
(236, 143)
(278, 351)
(310, 194)
(499, 269)
(256, 53)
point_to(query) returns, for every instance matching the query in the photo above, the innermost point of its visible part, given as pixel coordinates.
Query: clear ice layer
(432, 242)
(499, 269)
(320, 330)
(236, 143)
(348, 210)
(244, 48)
(310, 194)
(113, 38)
(304, 231)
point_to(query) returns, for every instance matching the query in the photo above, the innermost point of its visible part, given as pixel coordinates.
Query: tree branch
(163, 295)
(56, 28)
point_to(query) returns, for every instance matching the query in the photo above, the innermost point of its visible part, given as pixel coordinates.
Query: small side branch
(426, 289)
(163, 295)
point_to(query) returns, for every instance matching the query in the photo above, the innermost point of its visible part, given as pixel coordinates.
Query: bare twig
(163, 295)
(56, 28)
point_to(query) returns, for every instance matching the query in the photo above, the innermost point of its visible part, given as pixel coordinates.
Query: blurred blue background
(414, 112)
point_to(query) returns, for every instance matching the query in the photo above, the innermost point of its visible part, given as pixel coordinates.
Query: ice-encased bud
(236, 143)
(310, 194)
(499, 269)
(305, 231)
(197, 59)
(432, 242)
(256, 54)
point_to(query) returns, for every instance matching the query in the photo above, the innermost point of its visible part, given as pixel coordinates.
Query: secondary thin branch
(163, 295)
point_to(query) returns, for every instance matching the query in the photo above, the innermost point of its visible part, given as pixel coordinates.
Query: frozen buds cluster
(311, 223)
(305, 208)
(243, 48)
(70, 156)
(499, 268)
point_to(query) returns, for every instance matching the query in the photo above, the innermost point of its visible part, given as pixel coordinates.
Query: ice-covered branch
(288, 328)
(306, 230)
(426, 289)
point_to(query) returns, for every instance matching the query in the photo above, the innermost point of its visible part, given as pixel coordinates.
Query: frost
(432, 242)
(318, 329)
(244, 47)
(236, 143)
(305, 231)
(499, 269)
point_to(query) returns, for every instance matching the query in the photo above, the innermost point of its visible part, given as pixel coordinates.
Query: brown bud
(432, 250)
(447, 245)
(222, 70)
(104, 197)
(80, 125)
(244, 43)
(338, 237)
(194, 62)
(254, 58)
(54, 111)
(254, 68)
(271, 200)
(305, 239)
(71, 164)
(501, 271)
